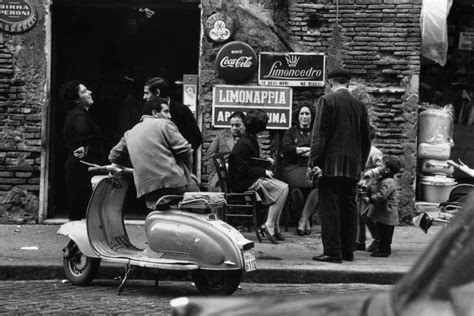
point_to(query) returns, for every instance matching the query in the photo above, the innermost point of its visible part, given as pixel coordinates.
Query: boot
(374, 246)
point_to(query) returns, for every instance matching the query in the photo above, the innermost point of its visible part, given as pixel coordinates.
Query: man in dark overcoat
(340, 146)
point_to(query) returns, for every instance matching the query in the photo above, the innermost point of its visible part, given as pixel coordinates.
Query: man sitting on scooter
(160, 156)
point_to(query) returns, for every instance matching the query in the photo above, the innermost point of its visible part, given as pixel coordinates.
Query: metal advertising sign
(236, 62)
(219, 27)
(292, 69)
(17, 16)
(275, 101)
(190, 88)
(466, 40)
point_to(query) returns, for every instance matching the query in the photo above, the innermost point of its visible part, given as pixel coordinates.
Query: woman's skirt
(269, 190)
(295, 176)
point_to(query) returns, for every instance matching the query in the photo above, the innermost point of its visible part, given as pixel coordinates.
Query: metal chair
(239, 205)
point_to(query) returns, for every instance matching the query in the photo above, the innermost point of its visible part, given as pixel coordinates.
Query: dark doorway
(113, 49)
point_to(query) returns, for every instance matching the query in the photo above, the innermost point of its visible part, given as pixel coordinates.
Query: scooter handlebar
(108, 168)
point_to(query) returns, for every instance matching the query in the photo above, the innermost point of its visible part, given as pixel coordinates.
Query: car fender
(77, 231)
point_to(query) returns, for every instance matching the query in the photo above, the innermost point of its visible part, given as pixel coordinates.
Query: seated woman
(244, 174)
(296, 145)
(224, 143)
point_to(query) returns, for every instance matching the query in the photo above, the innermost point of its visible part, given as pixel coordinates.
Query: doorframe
(46, 115)
(45, 122)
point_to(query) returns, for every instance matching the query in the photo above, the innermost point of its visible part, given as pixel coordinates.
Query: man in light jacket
(160, 156)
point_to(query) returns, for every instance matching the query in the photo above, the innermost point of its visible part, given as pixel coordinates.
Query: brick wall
(377, 40)
(22, 99)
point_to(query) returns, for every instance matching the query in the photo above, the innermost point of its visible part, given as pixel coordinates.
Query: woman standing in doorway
(83, 142)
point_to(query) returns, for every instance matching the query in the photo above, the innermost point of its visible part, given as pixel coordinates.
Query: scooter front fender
(77, 232)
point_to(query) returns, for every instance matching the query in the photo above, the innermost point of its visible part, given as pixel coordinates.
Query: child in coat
(384, 208)
(368, 177)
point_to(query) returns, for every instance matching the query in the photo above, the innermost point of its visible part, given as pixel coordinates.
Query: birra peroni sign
(275, 101)
(17, 15)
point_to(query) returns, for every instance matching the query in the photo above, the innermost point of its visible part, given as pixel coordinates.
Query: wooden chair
(239, 205)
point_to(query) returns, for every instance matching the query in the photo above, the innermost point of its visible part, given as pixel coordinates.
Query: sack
(202, 200)
(312, 175)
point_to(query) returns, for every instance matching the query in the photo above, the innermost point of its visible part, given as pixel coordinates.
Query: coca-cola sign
(292, 69)
(236, 62)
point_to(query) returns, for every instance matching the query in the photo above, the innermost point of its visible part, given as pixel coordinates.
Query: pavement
(32, 252)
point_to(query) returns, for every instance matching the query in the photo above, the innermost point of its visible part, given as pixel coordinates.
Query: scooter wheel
(217, 282)
(79, 269)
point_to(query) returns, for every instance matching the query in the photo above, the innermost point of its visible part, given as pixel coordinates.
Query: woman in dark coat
(296, 145)
(83, 142)
(245, 174)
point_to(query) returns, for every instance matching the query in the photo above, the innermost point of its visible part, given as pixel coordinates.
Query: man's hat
(339, 73)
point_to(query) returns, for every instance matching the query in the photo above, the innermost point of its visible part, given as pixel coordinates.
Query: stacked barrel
(435, 129)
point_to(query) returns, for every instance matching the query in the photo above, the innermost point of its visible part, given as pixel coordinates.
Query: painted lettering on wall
(275, 101)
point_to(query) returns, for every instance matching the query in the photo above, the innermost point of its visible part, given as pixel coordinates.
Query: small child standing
(368, 177)
(384, 208)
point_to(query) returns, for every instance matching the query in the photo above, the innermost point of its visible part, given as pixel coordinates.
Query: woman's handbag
(312, 175)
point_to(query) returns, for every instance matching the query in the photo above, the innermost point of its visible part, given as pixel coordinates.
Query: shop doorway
(113, 47)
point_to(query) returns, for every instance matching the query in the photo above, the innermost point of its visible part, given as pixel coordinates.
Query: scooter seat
(165, 202)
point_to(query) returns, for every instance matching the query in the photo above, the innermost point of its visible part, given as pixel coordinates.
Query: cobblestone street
(54, 296)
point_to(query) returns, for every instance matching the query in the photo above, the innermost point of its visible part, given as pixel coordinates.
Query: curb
(286, 276)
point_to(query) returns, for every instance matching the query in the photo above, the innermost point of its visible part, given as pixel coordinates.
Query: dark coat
(340, 143)
(184, 119)
(293, 168)
(242, 174)
(295, 137)
(384, 199)
(81, 130)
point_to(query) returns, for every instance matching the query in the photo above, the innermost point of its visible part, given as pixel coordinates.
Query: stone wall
(377, 40)
(23, 74)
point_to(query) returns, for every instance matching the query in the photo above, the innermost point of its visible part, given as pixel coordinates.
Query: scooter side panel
(176, 234)
(77, 232)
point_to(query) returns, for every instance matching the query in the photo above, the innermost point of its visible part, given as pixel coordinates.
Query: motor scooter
(179, 237)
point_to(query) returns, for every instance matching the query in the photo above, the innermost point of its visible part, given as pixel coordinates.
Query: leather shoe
(307, 232)
(266, 233)
(374, 246)
(299, 232)
(279, 236)
(348, 258)
(325, 258)
(360, 246)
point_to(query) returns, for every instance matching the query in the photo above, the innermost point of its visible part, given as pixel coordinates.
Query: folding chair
(239, 205)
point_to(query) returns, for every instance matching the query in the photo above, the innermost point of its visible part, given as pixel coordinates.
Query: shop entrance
(454, 83)
(113, 46)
